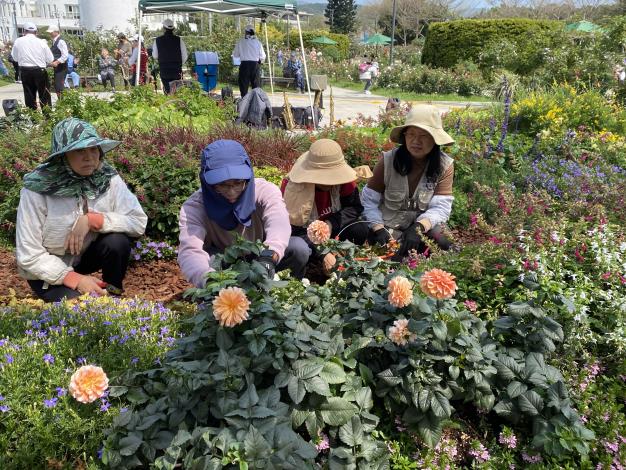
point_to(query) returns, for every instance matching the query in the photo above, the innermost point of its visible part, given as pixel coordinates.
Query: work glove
(380, 237)
(411, 240)
(266, 259)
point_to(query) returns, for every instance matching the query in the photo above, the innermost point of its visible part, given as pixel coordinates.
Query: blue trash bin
(206, 68)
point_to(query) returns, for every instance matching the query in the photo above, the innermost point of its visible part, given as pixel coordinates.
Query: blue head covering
(225, 160)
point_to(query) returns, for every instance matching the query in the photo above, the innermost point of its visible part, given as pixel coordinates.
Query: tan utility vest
(399, 208)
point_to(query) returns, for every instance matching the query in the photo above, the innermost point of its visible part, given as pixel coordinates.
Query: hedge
(452, 42)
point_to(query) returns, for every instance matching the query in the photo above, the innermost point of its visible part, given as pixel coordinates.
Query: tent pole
(269, 56)
(138, 68)
(306, 71)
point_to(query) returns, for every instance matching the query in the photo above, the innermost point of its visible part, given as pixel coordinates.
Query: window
(72, 12)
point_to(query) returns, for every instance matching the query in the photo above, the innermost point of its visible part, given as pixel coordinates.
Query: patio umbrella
(324, 40)
(583, 27)
(377, 39)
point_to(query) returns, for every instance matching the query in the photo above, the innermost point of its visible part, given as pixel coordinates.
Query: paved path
(348, 103)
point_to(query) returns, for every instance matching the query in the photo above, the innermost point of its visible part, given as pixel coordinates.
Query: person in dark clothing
(171, 52)
(59, 52)
(321, 186)
(250, 51)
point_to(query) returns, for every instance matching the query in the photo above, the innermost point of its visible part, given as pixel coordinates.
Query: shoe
(367, 92)
(18, 81)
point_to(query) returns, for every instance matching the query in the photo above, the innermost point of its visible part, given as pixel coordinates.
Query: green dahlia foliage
(317, 360)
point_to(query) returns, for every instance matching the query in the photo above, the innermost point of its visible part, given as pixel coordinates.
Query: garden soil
(159, 280)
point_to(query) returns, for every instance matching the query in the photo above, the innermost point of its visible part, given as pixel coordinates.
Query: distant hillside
(315, 8)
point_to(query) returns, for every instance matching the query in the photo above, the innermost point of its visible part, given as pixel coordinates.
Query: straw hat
(425, 117)
(324, 163)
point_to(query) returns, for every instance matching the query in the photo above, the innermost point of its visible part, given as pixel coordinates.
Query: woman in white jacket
(75, 217)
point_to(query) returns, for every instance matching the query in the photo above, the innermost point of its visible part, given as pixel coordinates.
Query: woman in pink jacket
(231, 200)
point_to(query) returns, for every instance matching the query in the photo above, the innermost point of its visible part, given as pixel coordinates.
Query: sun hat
(52, 29)
(426, 117)
(323, 163)
(75, 134)
(121, 36)
(168, 24)
(225, 160)
(28, 26)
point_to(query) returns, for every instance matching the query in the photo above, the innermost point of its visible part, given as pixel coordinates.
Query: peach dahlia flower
(400, 334)
(438, 284)
(230, 307)
(88, 384)
(318, 232)
(400, 291)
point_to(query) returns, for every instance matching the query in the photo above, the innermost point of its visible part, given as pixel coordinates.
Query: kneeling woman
(231, 200)
(75, 217)
(411, 190)
(322, 186)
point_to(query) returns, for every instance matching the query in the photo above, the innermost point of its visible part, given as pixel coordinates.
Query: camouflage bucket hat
(75, 134)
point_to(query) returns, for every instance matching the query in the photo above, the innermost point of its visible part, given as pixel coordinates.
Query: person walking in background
(107, 64)
(171, 53)
(368, 70)
(59, 52)
(33, 56)
(280, 58)
(250, 51)
(72, 79)
(138, 58)
(293, 69)
(122, 54)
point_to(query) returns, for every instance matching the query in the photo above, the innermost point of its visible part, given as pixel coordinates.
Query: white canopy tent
(251, 8)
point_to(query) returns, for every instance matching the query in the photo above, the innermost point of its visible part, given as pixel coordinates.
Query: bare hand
(328, 262)
(90, 285)
(55, 63)
(75, 239)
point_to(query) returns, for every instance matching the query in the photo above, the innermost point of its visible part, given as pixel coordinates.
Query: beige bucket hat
(426, 117)
(324, 163)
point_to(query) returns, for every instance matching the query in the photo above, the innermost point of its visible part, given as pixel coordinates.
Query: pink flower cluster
(479, 452)
(322, 442)
(592, 371)
(508, 439)
(400, 334)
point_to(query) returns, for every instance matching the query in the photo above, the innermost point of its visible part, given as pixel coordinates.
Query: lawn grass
(406, 95)
(6, 80)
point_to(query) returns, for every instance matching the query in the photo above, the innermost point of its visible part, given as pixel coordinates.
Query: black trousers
(356, 233)
(35, 82)
(249, 74)
(109, 252)
(60, 72)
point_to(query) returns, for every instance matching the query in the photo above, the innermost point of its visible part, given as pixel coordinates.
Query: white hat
(28, 26)
(53, 29)
(249, 28)
(168, 24)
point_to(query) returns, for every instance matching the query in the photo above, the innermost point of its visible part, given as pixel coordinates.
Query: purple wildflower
(105, 406)
(531, 458)
(51, 403)
(479, 452)
(8, 358)
(4, 408)
(508, 439)
(61, 392)
(48, 358)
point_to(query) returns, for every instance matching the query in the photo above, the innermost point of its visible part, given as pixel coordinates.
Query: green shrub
(454, 41)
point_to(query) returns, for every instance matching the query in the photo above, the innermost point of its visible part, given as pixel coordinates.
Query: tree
(341, 16)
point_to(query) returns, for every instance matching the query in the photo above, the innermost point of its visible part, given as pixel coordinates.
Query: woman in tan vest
(322, 186)
(411, 191)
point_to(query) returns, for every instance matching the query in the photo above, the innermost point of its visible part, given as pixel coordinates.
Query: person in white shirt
(33, 56)
(250, 51)
(171, 52)
(60, 53)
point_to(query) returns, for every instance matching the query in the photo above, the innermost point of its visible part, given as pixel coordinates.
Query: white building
(74, 16)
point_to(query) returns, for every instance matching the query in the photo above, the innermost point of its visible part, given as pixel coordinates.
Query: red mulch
(159, 280)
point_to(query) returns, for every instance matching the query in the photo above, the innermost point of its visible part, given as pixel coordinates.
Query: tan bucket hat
(324, 163)
(426, 117)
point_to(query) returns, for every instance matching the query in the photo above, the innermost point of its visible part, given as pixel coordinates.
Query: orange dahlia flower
(438, 284)
(88, 384)
(400, 291)
(318, 232)
(230, 307)
(400, 334)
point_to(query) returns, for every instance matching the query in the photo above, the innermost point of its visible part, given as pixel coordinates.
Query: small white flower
(306, 282)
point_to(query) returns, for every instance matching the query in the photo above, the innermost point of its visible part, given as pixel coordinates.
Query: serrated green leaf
(296, 389)
(305, 369)
(255, 445)
(351, 433)
(149, 421)
(440, 330)
(454, 372)
(363, 398)
(504, 408)
(128, 445)
(530, 402)
(440, 405)
(424, 398)
(299, 416)
(317, 385)
(181, 438)
(333, 373)
(515, 389)
(137, 396)
(337, 411)
(117, 391)
(429, 429)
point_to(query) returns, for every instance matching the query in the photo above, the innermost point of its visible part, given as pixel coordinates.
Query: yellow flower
(438, 284)
(318, 232)
(230, 307)
(400, 291)
(88, 384)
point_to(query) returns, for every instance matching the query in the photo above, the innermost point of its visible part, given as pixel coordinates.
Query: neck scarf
(56, 178)
(225, 214)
